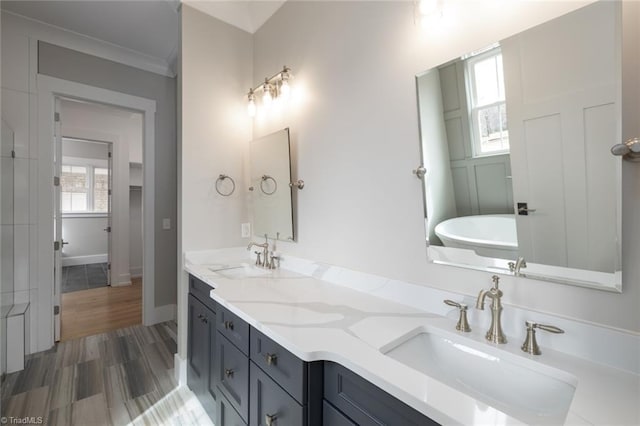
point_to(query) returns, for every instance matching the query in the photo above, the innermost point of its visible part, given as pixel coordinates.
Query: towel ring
(263, 180)
(221, 178)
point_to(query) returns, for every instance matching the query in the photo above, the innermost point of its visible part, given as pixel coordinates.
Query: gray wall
(480, 183)
(71, 65)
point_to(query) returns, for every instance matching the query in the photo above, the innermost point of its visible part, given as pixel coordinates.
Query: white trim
(180, 369)
(163, 313)
(135, 271)
(85, 260)
(48, 89)
(62, 37)
(84, 215)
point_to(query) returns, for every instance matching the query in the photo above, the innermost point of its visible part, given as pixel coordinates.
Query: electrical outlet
(246, 230)
(166, 223)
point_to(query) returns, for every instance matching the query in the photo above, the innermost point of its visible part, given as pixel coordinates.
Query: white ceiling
(244, 14)
(149, 27)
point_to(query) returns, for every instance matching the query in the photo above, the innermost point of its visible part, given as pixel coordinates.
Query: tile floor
(83, 277)
(117, 378)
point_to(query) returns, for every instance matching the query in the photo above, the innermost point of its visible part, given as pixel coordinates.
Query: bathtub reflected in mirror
(515, 138)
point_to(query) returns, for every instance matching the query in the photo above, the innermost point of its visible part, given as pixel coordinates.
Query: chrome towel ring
(221, 178)
(266, 178)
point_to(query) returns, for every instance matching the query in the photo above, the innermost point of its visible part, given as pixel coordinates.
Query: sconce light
(276, 87)
(251, 106)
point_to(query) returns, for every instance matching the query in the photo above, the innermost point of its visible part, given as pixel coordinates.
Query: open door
(109, 207)
(57, 217)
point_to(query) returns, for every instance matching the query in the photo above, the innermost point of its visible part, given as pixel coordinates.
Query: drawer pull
(272, 359)
(205, 320)
(200, 316)
(228, 372)
(270, 420)
(228, 325)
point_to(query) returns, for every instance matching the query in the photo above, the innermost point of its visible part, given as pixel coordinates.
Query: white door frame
(48, 89)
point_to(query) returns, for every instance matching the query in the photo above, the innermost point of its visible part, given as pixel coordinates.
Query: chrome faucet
(268, 260)
(514, 267)
(494, 334)
(265, 253)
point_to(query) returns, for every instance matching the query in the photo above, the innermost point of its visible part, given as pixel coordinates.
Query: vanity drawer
(332, 417)
(201, 291)
(232, 375)
(270, 404)
(365, 403)
(233, 328)
(281, 365)
(227, 415)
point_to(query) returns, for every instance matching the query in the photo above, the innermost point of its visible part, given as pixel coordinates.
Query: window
(84, 189)
(488, 110)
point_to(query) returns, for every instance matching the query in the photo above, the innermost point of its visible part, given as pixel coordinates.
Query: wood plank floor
(99, 310)
(123, 377)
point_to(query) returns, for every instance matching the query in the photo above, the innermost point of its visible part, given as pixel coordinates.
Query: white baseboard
(180, 370)
(135, 271)
(122, 280)
(161, 314)
(85, 260)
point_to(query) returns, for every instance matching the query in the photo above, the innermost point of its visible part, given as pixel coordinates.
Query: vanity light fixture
(251, 106)
(276, 87)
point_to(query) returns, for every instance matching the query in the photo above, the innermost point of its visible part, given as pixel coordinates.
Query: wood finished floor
(117, 378)
(99, 310)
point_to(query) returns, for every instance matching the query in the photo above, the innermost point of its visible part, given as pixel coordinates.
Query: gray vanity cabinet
(363, 403)
(201, 340)
(270, 404)
(232, 375)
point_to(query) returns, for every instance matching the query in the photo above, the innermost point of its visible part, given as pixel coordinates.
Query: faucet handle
(463, 324)
(530, 345)
(496, 281)
(258, 260)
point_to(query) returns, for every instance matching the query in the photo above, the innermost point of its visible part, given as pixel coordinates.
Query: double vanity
(289, 347)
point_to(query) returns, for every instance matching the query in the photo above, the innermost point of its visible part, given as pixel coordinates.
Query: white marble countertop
(317, 320)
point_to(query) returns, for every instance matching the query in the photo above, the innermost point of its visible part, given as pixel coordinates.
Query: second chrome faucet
(494, 334)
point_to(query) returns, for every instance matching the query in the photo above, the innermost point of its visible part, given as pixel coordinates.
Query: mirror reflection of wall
(528, 120)
(270, 191)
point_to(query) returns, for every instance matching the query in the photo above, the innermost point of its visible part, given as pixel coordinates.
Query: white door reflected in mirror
(517, 139)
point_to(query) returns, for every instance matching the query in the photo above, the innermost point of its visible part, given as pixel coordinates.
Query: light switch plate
(166, 223)
(246, 230)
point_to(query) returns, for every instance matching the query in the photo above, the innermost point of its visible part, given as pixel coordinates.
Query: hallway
(100, 310)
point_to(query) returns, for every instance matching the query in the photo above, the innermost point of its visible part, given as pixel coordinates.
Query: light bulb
(285, 90)
(251, 106)
(267, 98)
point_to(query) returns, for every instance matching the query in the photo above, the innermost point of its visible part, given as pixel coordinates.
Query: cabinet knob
(205, 320)
(228, 325)
(228, 372)
(270, 419)
(272, 359)
(200, 316)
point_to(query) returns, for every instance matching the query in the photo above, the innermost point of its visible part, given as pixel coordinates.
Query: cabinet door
(197, 347)
(227, 415)
(232, 375)
(270, 404)
(365, 403)
(332, 417)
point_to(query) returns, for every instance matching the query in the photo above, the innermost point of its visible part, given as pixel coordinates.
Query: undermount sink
(246, 270)
(522, 388)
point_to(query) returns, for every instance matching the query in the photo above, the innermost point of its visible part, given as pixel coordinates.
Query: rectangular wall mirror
(516, 142)
(270, 171)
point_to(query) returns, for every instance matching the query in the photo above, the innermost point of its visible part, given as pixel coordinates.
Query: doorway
(85, 192)
(98, 195)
